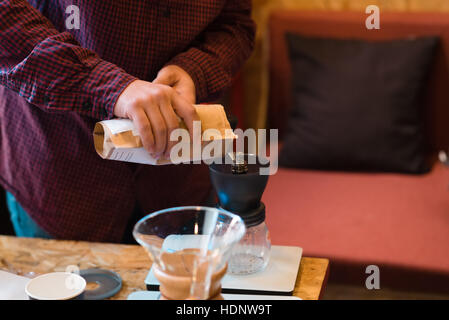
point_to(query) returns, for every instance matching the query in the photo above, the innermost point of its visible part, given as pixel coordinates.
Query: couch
(395, 221)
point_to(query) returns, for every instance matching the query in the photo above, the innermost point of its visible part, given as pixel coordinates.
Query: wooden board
(23, 255)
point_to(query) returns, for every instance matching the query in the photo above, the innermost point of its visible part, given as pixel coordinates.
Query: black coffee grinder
(239, 186)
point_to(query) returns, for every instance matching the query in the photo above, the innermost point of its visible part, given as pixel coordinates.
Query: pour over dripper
(190, 248)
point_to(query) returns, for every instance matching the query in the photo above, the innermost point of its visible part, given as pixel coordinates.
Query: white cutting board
(12, 287)
(279, 278)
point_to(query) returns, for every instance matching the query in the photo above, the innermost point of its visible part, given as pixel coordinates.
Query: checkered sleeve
(50, 69)
(220, 50)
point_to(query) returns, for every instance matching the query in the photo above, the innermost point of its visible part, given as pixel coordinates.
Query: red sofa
(398, 222)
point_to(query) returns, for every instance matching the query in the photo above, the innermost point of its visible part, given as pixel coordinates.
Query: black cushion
(357, 105)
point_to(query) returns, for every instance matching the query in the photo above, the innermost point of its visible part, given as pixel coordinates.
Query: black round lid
(109, 283)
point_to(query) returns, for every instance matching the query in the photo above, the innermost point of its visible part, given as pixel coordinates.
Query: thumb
(166, 77)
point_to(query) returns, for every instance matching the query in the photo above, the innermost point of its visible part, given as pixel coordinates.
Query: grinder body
(239, 187)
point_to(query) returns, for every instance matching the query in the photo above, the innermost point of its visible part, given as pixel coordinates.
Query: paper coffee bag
(119, 140)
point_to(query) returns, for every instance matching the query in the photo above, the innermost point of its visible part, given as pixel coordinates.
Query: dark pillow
(357, 105)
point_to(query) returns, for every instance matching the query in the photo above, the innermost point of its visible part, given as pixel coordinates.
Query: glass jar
(252, 253)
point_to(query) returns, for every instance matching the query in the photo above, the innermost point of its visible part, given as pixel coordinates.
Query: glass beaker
(190, 248)
(252, 253)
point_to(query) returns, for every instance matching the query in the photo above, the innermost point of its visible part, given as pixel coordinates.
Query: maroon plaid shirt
(56, 83)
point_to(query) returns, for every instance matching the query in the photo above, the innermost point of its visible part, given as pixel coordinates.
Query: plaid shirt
(56, 83)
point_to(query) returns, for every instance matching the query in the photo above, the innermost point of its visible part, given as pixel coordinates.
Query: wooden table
(22, 255)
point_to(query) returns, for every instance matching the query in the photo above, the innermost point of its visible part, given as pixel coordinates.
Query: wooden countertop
(23, 255)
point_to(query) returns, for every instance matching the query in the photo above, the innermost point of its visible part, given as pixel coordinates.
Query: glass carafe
(190, 248)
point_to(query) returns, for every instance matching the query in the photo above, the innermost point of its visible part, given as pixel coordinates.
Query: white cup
(56, 286)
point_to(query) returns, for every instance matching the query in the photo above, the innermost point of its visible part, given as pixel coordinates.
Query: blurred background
(255, 99)
(249, 98)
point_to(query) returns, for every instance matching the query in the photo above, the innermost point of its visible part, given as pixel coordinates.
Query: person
(148, 61)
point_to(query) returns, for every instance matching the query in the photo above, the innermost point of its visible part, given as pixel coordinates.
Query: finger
(172, 122)
(186, 92)
(186, 111)
(143, 126)
(159, 128)
(166, 77)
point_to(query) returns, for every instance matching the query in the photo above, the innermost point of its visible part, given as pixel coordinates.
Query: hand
(154, 108)
(179, 80)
